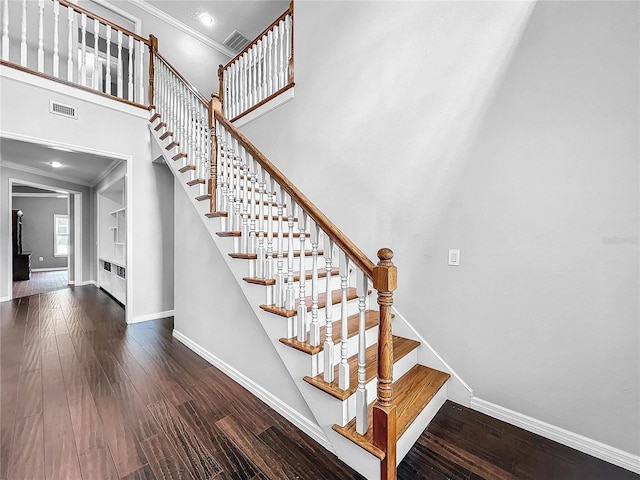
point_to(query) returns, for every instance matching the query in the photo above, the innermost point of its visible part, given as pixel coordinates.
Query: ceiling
(249, 17)
(81, 168)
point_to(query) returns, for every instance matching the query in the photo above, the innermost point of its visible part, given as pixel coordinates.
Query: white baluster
(362, 286)
(5, 30)
(70, 37)
(302, 304)
(280, 274)
(244, 231)
(83, 46)
(314, 329)
(96, 54)
(130, 68)
(252, 211)
(23, 42)
(290, 299)
(254, 76)
(108, 73)
(343, 369)
(258, 48)
(119, 69)
(264, 214)
(281, 56)
(269, 269)
(277, 58)
(56, 54)
(41, 35)
(329, 375)
(287, 50)
(140, 74)
(237, 162)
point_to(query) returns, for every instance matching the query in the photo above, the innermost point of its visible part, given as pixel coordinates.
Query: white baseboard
(583, 444)
(5, 299)
(151, 316)
(82, 284)
(303, 423)
(53, 269)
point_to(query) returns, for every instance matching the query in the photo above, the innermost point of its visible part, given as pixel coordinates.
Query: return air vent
(62, 109)
(236, 41)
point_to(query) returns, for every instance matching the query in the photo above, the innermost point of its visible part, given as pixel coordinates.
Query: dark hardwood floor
(41, 282)
(84, 396)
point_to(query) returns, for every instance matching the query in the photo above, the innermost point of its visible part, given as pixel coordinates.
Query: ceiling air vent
(62, 109)
(236, 41)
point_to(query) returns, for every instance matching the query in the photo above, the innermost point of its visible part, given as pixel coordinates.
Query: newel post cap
(385, 273)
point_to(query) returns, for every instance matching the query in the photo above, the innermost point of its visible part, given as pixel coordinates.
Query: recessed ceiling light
(206, 19)
(56, 164)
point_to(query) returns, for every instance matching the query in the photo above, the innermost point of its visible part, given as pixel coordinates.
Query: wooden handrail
(350, 248)
(193, 89)
(103, 20)
(257, 39)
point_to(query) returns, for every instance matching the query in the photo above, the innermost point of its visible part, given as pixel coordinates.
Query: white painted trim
(184, 28)
(39, 195)
(5, 299)
(53, 269)
(73, 92)
(262, 110)
(303, 423)
(579, 442)
(150, 316)
(82, 284)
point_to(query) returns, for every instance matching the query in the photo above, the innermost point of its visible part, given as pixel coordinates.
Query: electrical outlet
(41, 259)
(454, 257)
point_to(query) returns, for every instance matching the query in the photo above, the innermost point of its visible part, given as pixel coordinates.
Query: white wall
(507, 130)
(114, 130)
(211, 310)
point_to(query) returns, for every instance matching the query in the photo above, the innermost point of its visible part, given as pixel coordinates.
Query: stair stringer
(327, 410)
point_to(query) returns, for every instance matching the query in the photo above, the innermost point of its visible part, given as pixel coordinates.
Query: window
(60, 235)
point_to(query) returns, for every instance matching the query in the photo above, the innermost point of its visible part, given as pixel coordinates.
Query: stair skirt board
(326, 409)
(303, 423)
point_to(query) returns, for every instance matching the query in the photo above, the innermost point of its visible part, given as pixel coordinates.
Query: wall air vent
(62, 109)
(236, 41)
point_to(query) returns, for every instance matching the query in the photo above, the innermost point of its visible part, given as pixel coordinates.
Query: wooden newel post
(220, 83)
(153, 48)
(214, 106)
(384, 412)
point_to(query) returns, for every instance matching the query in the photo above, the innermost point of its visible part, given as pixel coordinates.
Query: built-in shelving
(112, 243)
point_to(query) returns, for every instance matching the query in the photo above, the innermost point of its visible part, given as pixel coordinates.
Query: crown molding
(184, 28)
(42, 173)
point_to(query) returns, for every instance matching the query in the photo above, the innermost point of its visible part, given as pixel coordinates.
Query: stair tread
(154, 117)
(166, 134)
(336, 297)
(186, 168)
(216, 214)
(180, 155)
(411, 394)
(401, 347)
(160, 126)
(253, 256)
(200, 198)
(196, 181)
(372, 318)
(322, 273)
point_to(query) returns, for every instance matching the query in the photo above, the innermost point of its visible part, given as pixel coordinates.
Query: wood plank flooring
(84, 396)
(40, 282)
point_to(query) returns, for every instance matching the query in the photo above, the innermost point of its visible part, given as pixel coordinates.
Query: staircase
(311, 288)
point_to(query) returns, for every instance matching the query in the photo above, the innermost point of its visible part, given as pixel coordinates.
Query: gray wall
(508, 130)
(211, 310)
(38, 228)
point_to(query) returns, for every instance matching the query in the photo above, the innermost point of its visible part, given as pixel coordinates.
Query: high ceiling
(249, 17)
(80, 168)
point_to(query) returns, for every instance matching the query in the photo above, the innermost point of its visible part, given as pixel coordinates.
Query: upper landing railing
(263, 70)
(68, 44)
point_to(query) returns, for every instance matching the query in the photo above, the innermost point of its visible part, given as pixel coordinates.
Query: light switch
(454, 257)
(41, 259)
